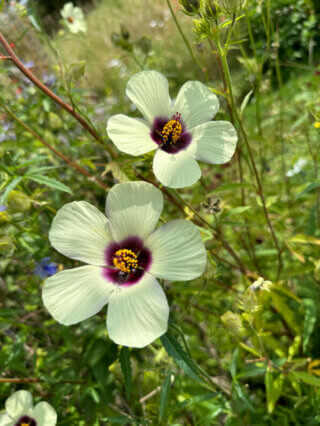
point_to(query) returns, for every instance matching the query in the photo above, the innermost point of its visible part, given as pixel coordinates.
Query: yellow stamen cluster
(171, 129)
(125, 260)
(25, 424)
(70, 19)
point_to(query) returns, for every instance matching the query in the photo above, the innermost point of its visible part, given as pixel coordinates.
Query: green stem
(184, 38)
(223, 55)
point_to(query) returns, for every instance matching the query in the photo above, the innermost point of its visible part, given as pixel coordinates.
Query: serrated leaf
(52, 183)
(307, 378)
(125, 363)
(175, 350)
(9, 188)
(165, 396)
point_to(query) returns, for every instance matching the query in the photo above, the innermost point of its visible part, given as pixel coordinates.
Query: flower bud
(18, 201)
(190, 6)
(231, 6)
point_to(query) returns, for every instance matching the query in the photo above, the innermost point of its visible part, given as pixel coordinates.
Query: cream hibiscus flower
(181, 132)
(20, 411)
(125, 254)
(73, 18)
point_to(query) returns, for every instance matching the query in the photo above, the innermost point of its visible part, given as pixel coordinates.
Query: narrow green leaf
(52, 183)
(310, 317)
(197, 399)
(307, 378)
(9, 188)
(165, 396)
(175, 350)
(125, 363)
(245, 102)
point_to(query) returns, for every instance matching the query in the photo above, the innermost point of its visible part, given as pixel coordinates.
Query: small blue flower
(3, 208)
(45, 268)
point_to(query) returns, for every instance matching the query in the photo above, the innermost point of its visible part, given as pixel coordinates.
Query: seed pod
(190, 6)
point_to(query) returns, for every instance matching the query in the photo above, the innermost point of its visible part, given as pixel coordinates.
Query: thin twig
(58, 153)
(53, 96)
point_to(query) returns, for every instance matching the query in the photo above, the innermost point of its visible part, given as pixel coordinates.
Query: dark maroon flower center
(170, 134)
(26, 421)
(128, 260)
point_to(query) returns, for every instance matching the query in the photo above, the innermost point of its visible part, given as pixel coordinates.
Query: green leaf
(52, 183)
(175, 350)
(273, 389)
(310, 318)
(287, 313)
(165, 396)
(125, 363)
(309, 188)
(197, 399)
(236, 210)
(9, 188)
(245, 102)
(307, 378)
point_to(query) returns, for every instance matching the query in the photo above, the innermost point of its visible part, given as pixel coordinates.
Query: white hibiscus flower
(182, 133)
(20, 411)
(73, 18)
(125, 254)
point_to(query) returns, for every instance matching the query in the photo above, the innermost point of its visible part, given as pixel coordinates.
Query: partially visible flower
(45, 268)
(317, 124)
(297, 167)
(125, 254)
(73, 18)
(261, 284)
(20, 411)
(181, 133)
(3, 208)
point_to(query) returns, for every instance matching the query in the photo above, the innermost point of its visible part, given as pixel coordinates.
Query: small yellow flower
(317, 124)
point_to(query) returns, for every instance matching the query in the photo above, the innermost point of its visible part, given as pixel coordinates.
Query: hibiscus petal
(44, 414)
(18, 403)
(76, 294)
(133, 208)
(176, 170)
(178, 252)
(130, 135)
(80, 231)
(196, 103)
(137, 315)
(214, 142)
(149, 91)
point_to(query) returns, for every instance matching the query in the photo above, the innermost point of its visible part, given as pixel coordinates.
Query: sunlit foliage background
(260, 348)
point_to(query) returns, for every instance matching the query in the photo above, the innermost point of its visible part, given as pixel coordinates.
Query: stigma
(172, 129)
(125, 260)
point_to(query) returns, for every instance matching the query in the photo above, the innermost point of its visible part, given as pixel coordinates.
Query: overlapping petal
(176, 170)
(177, 250)
(76, 294)
(133, 208)
(137, 315)
(44, 414)
(5, 420)
(214, 142)
(196, 103)
(130, 135)
(149, 91)
(80, 231)
(19, 403)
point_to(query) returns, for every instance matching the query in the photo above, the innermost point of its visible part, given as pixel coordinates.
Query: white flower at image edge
(125, 254)
(20, 411)
(73, 18)
(181, 132)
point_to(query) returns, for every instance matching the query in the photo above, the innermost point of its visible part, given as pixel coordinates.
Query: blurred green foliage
(258, 345)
